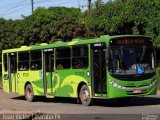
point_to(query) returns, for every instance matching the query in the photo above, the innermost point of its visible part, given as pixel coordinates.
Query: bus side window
(36, 60)
(23, 61)
(63, 58)
(80, 57)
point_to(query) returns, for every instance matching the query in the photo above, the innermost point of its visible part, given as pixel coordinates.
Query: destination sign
(130, 41)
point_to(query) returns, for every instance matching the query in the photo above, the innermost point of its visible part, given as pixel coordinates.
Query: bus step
(49, 96)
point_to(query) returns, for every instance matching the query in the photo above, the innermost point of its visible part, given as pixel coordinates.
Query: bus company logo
(149, 117)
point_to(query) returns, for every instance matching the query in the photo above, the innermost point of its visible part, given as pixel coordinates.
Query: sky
(14, 9)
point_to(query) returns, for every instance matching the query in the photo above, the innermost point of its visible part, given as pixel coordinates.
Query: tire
(84, 96)
(29, 93)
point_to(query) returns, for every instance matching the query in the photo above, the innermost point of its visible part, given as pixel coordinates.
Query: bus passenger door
(48, 75)
(12, 72)
(98, 69)
(5, 73)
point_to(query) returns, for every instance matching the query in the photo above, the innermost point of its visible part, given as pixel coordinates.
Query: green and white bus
(106, 67)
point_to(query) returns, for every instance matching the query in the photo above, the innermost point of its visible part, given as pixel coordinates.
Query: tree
(131, 17)
(52, 24)
(89, 6)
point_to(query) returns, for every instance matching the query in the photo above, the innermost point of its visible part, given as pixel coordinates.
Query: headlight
(116, 85)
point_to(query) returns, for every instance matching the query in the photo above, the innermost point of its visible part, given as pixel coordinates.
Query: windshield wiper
(143, 52)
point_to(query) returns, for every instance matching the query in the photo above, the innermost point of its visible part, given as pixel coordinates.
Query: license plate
(137, 91)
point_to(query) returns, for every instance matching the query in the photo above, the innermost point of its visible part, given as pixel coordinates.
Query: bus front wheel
(29, 94)
(84, 96)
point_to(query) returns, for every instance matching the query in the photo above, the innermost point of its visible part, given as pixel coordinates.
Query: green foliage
(10, 34)
(48, 25)
(132, 17)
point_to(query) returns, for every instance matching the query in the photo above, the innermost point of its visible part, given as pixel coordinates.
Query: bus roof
(103, 38)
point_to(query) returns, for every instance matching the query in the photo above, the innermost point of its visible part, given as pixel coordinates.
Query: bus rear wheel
(29, 94)
(84, 95)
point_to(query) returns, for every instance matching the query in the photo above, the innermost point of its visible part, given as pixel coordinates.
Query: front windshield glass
(131, 60)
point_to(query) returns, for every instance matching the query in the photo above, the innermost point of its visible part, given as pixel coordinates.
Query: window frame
(5, 63)
(80, 57)
(39, 60)
(63, 58)
(23, 61)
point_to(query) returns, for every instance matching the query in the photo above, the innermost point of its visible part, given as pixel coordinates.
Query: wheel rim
(29, 93)
(85, 95)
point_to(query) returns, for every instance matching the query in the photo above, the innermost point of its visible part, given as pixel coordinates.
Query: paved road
(138, 108)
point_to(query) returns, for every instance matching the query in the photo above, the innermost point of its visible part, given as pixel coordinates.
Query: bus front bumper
(119, 91)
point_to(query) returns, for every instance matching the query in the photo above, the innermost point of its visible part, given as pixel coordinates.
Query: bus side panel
(22, 78)
(33, 77)
(67, 81)
(37, 82)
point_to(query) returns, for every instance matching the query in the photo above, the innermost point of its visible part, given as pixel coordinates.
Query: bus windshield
(131, 60)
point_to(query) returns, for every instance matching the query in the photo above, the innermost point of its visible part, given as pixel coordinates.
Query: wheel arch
(79, 87)
(26, 85)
